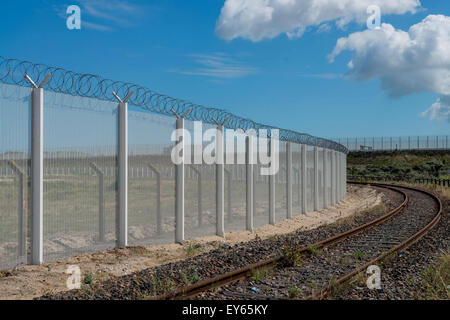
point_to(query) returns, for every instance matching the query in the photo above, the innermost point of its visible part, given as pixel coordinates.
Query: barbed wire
(12, 71)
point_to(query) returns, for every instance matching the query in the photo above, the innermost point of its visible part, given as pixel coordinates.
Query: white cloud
(259, 19)
(217, 65)
(406, 62)
(119, 13)
(440, 110)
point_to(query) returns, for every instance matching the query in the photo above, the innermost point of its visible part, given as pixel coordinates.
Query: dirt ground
(28, 282)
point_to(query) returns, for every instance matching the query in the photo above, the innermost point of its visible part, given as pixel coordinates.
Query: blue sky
(172, 47)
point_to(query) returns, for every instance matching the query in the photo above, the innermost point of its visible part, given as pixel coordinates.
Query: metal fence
(440, 182)
(81, 171)
(395, 143)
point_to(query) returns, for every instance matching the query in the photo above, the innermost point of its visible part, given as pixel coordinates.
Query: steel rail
(226, 278)
(402, 246)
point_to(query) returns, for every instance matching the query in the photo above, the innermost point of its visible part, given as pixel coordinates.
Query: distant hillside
(402, 165)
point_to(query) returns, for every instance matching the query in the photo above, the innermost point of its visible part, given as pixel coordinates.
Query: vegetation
(292, 256)
(193, 249)
(293, 292)
(88, 278)
(359, 255)
(436, 280)
(190, 276)
(315, 250)
(260, 273)
(399, 165)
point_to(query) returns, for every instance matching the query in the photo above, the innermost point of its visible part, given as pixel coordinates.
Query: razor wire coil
(13, 71)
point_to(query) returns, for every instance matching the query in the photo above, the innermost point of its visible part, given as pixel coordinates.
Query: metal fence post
(158, 199)
(229, 211)
(122, 239)
(220, 190)
(271, 189)
(249, 180)
(303, 169)
(21, 205)
(324, 173)
(179, 180)
(316, 178)
(296, 173)
(333, 178)
(336, 179)
(345, 175)
(101, 201)
(37, 170)
(289, 179)
(341, 176)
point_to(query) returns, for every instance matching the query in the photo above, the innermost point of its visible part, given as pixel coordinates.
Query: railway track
(327, 263)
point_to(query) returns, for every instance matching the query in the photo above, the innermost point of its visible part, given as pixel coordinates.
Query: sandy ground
(28, 282)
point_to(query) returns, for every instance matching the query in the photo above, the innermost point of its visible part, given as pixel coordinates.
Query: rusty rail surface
(405, 244)
(226, 278)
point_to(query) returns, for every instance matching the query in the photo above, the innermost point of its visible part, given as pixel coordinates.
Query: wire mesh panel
(235, 197)
(309, 178)
(296, 179)
(328, 176)
(261, 197)
(235, 181)
(321, 177)
(80, 145)
(395, 143)
(204, 224)
(151, 179)
(280, 185)
(14, 174)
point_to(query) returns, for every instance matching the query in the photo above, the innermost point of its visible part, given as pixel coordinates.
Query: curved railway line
(330, 262)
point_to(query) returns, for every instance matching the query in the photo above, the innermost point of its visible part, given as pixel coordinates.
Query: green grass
(88, 278)
(436, 280)
(359, 255)
(260, 274)
(293, 292)
(405, 165)
(189, 276)
(292, 257)
(193, 249)
(315, 250)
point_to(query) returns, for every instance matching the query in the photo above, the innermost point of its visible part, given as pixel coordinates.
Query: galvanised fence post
(122, 239)
(220, 190)
(229, 209)
(37, 170)
(333, 177)
(289, 179)
(249, 154)
(324, 173)
(316, 178)
(179, 179)
(303, 169)
(271, 188)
